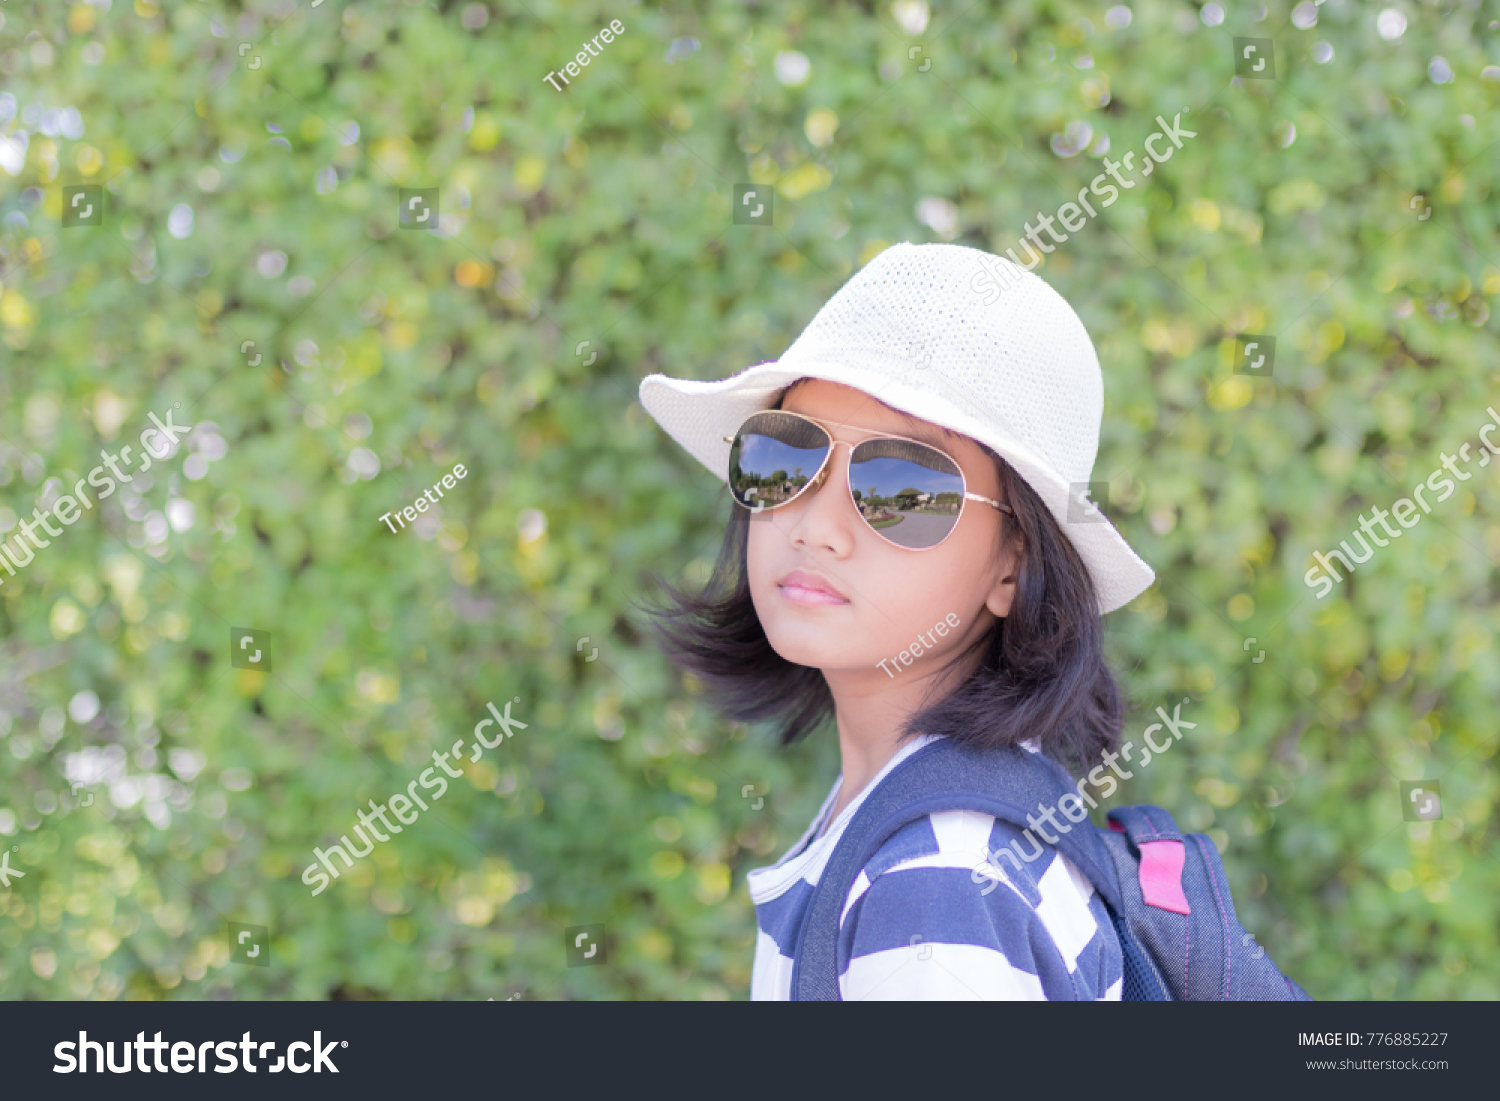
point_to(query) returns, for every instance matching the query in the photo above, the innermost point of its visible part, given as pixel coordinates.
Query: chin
(817, 646)
(800, 652)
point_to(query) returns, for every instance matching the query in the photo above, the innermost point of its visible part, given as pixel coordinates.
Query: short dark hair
(1041, 674)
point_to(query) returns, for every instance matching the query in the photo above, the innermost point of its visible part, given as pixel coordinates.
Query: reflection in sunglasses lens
(773, 458)
(907, 492)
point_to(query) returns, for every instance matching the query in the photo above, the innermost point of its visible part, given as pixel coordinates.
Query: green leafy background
(602, 213)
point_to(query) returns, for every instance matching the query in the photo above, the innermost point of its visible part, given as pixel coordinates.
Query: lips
(802, 587)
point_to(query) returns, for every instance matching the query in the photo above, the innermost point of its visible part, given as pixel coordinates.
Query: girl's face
(884, 598)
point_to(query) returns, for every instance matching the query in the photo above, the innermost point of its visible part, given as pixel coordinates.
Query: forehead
(857, 408)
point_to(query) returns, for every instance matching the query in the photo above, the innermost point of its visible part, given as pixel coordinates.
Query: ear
(1003, 592)
(999, 600)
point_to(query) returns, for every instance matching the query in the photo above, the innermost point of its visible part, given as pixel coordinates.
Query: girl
(915, 555)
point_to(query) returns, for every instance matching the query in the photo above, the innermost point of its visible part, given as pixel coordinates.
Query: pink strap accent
(1114, 826)
(1161, 875)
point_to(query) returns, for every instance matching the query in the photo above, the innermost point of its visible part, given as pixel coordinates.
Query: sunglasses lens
(773, 458)
(909, 493)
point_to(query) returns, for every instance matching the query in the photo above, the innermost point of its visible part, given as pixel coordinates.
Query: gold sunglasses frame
(815, 483)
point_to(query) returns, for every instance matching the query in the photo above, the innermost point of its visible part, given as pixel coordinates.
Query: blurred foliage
(242, 205)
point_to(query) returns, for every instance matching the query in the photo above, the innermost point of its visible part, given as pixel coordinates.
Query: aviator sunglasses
(908, 492)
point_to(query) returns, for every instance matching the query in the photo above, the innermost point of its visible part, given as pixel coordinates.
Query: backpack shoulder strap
(1006, 783)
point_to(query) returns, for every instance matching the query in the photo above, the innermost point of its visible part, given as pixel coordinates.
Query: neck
(870, 714)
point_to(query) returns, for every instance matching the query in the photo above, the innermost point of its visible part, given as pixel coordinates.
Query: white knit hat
(1018, 374)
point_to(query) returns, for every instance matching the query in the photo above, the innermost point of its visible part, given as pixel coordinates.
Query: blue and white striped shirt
(916, 925)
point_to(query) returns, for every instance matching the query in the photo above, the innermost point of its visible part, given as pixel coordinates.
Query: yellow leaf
(529, 173)
(66, 618)
(362, 359)
(713, 883)
(804, 180)
(820, 126)
(484, 134)
(1156, 335)
(15, 310)
(654, 944)
(1233, 393)
(393, 155)
(88, 159)
(402, 335)
(666, 864)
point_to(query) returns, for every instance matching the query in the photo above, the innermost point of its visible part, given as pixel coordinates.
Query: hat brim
(699, 415)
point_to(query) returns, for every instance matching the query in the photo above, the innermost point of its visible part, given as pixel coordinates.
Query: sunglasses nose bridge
(828, 462)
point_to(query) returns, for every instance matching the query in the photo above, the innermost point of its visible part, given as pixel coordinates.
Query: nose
(824, 517)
